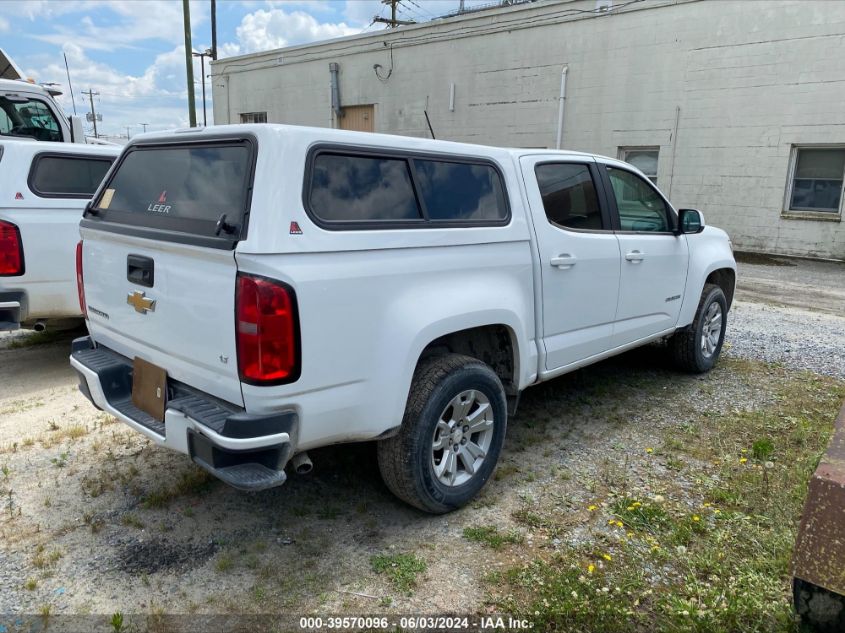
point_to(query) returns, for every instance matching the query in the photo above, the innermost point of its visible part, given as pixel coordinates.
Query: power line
(412, 39)
(431, 16)
(393, 21)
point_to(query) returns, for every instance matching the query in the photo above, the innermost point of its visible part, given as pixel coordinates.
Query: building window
(253, 117)
(643, 158)
(815, 180)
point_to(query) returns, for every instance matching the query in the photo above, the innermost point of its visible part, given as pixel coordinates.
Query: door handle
(563, 261)
(635, 257)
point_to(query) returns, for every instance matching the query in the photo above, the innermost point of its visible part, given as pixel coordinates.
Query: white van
(256, 291)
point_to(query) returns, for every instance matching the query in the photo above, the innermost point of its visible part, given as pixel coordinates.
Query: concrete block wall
(745, 80)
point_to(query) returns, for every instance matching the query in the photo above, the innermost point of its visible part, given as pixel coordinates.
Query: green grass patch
(36, 338)
(489, 536)
(714, 554)
(401, 569)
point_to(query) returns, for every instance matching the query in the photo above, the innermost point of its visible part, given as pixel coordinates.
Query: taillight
(80, 287)
(11, 250)
(267, 331)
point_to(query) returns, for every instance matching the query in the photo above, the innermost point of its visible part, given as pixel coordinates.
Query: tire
(419, 464)
(691, 350)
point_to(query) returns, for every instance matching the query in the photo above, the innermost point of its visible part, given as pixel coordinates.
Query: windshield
(200, 189)
(30, 118)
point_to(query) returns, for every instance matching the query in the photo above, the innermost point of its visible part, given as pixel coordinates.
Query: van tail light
(267, 331)
(80, 287)
(11, 250)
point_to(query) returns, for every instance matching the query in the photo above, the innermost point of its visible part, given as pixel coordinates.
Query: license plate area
(149, 388)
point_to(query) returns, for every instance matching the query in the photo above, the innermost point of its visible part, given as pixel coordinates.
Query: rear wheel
(451, 435)
(697, 348)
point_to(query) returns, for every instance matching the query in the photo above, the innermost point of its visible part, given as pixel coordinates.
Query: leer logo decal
(160, 207)
(140, 302)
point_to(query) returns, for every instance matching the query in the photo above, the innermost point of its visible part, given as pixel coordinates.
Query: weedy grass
(193, 481)
(36, 338)
(712, 555)
(489, 536)
(401, 569)
(19, 406)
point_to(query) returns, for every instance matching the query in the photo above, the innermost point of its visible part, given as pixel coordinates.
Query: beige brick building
(735, 107)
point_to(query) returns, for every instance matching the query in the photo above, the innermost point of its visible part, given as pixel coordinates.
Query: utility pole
(91, 94)
(127, 133)
(189, 63)
(392, 22)
(214, 30)
(144, 126)
(202, 57)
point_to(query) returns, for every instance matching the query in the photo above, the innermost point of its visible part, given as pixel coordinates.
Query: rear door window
(59, 176)
(200, 189)
(569, 196)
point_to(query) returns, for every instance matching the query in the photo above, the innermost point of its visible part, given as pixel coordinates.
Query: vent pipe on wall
(561, 101)
(334, 67)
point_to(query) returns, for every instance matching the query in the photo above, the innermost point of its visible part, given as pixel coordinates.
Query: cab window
(640, 207)
(569, 196)
(22, 116)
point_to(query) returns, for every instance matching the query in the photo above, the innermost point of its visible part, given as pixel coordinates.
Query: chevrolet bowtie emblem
(140, 302)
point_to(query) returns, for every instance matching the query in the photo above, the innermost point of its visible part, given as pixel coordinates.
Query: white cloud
(157, 96)
(268, 29)
(4, 25)
(137, 21)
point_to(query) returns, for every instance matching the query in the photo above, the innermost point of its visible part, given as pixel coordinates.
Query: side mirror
(690, 221)
(77, 132)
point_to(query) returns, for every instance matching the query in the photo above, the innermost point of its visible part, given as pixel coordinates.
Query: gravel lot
(799, 339)
(95, 520)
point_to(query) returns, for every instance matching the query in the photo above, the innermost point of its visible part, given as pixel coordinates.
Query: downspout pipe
(560, 107)
(334, 67)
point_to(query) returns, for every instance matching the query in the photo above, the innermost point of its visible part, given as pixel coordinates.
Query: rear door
(579, 257)
(654, 259)
(158, 258)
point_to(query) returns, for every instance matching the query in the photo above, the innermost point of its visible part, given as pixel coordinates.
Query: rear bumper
(246, 451)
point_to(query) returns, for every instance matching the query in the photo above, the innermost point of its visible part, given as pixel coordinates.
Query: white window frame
(809, 214)
(251, 117)
(623, 151)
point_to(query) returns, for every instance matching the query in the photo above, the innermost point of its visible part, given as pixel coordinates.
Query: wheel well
(725, 278)
(491, 344)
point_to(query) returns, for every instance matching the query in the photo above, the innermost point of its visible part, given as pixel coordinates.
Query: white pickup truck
(29, 111)
(44, 188)
(256, 291)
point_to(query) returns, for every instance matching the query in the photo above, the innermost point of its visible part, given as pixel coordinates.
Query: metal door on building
(360, 118)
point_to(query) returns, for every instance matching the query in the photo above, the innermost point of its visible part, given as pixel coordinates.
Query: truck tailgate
(183, 321)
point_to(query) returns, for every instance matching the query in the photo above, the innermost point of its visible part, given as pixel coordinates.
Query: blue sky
(132, 52)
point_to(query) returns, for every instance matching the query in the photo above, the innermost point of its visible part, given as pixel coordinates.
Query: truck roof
(271, 131)
(21, 147)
